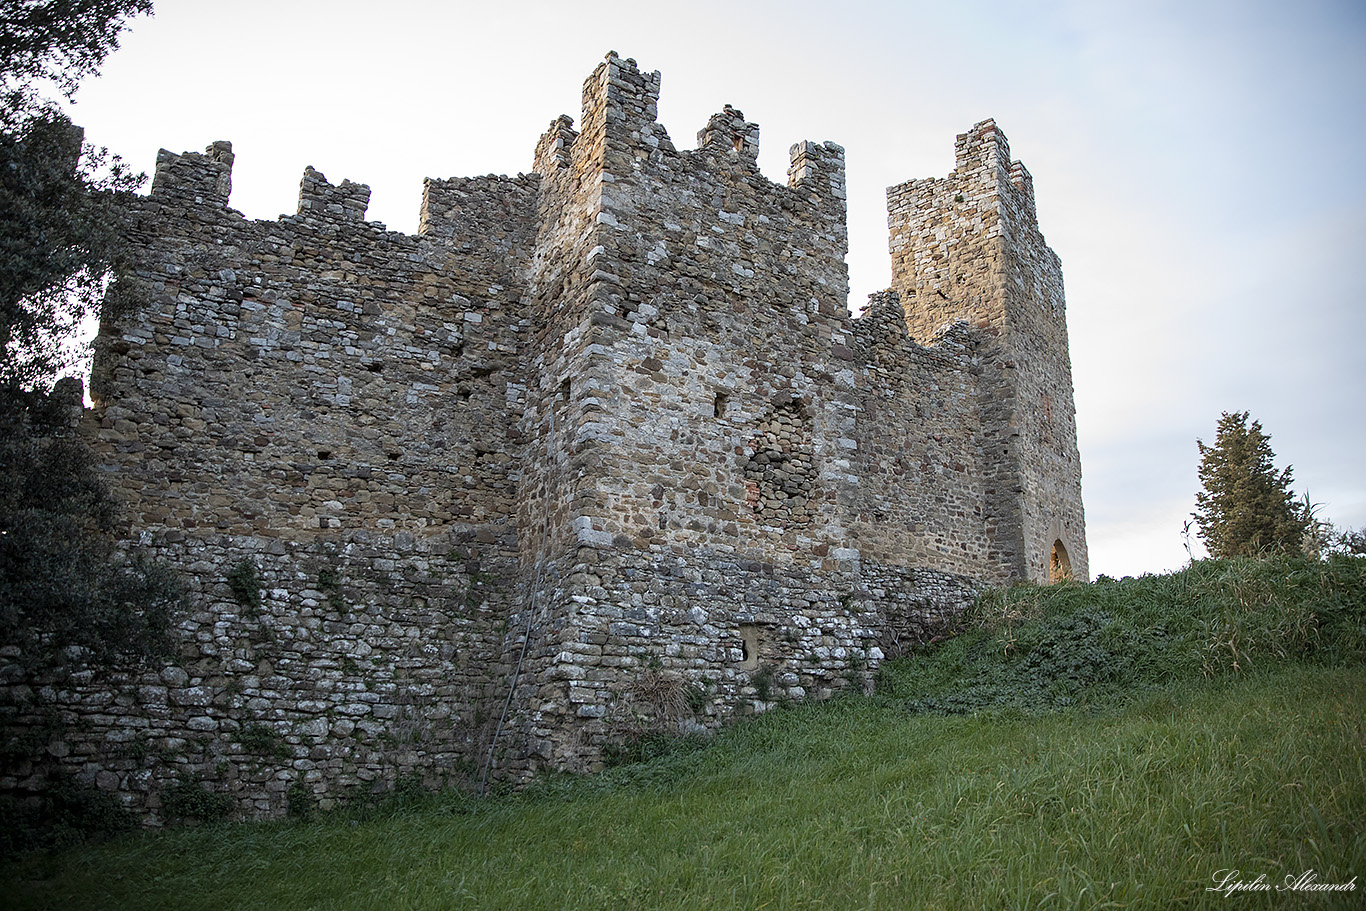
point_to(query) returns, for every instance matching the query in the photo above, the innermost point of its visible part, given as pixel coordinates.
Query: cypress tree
(1246, 507)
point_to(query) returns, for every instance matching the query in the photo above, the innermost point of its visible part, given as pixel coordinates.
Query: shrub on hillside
(1035, 648)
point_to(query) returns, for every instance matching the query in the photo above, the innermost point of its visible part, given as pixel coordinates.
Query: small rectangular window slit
(749, 646)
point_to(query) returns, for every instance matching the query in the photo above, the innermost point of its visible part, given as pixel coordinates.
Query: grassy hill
(1109, 745)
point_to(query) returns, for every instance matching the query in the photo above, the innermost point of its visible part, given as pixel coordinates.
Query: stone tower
(685, 306)
(968, 247)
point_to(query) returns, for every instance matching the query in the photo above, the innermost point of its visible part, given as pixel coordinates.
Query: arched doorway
(1059, 566)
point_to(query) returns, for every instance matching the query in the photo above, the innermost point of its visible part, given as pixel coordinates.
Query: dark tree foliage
(72, 598)
(60, 240)
(59, 41)
(1246, 508)
(68, 598)
(61, 203)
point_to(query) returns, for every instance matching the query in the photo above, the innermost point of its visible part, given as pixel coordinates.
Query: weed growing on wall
(263, 740)
(299, 800)
(330, 581)
(67, 814)
(190, 798)
(245, 582)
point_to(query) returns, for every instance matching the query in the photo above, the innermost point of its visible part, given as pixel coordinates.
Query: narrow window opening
(374, 366)
(718, 406)
(749, 646)
(1059, 565)
(324, 454)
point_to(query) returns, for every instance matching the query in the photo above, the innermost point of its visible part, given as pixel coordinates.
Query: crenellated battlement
(817, 168)
(492, 213)
(938, 227)
(728, 131)
(206, 176)
(983, 154)
(593, 433)
(619, 101)
(554, 148)
(317, 197)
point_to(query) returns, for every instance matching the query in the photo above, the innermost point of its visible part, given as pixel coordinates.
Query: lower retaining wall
(364, 659)
(332, 667)
(670, 643)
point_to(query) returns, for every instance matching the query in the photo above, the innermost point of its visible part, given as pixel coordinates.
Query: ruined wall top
(622, 251)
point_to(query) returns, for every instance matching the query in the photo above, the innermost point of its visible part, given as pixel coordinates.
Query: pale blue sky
(1199, 168)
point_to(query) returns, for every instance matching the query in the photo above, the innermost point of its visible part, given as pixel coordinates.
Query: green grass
(897, 801)
(1039, 648)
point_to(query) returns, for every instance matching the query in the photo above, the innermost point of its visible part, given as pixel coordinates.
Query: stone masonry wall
(727, 419)
(332, 406)
(600, 452)
(922, 488)
(967, 247)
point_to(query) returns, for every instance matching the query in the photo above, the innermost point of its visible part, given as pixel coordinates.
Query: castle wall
(715, 291)
(967, 247)
(921, 488)
(713, 409)
(312, 373)
(700, 269)
(600, 452)
(1045, 410)
(333, 406)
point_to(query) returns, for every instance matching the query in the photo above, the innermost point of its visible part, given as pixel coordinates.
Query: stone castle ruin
(600, 451)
